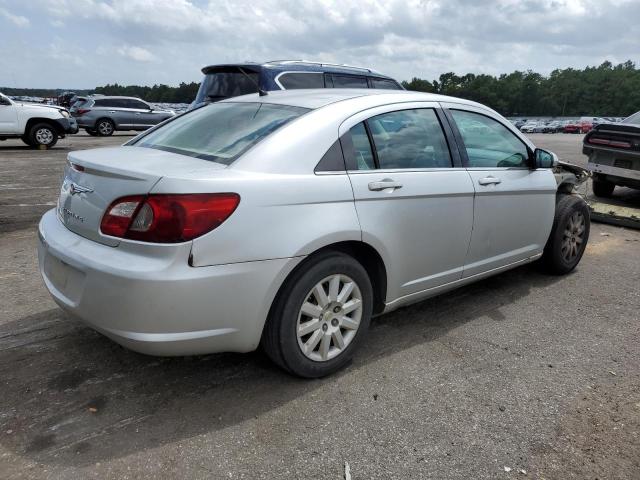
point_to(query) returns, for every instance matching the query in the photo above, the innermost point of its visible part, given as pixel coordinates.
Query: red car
(572, 127)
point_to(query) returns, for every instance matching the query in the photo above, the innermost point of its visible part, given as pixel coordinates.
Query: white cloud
(138, 54)
(17, 20)
(154, 41)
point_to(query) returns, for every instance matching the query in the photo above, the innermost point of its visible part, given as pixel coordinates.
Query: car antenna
(261, 92)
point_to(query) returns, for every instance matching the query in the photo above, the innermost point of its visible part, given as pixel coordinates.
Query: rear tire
(27, 140)
(105, 127)
(569, 235)
(91, 132)
(43, 135)
(312, 333)
(602, 188)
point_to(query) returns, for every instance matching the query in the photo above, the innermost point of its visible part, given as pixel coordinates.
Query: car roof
(300, 65)
(102, 97)
(319, 97)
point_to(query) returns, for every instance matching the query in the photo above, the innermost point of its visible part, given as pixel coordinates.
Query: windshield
(635, 119)
(220, 132)
(226, 83)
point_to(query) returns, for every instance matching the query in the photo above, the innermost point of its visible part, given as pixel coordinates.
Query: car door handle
(489, 181)
(384, 184)
(112, 111)
(138, 113)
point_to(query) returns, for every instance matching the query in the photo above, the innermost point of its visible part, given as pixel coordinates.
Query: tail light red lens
(170, 218)
(82, 111)
(611, 142)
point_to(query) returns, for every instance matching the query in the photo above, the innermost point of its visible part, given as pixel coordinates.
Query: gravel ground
(524, 371)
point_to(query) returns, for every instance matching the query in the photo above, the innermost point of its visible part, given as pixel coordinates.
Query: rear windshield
(634, 119)
(220, 132)
(227, 83)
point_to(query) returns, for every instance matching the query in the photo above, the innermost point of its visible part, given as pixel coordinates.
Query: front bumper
(147, 298)
(67, 125)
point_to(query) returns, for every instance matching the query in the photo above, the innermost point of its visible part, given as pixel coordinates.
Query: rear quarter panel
(279, 215)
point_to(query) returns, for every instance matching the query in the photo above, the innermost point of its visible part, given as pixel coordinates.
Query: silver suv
(104, 115)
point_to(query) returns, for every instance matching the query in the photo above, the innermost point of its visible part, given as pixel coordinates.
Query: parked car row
(101, 115)
(581, 125)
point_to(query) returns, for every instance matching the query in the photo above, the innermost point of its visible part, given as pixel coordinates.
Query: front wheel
(320, 316)
(43, 135)
(91, 132)
(569, 235)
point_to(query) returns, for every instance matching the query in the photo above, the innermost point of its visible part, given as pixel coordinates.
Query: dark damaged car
(614, 155)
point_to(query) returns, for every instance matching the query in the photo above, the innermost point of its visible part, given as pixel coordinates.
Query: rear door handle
(384, 184)
(489, 181)
(112, 111)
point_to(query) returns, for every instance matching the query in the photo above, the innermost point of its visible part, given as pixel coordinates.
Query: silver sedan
(289, 220)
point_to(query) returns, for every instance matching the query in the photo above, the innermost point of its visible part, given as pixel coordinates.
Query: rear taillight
(170, 218)
(611, 142)
(82, 111)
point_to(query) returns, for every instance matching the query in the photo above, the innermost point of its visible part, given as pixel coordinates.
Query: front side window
(220, 132)
(488, 143)
(297, 80)
(349, 81)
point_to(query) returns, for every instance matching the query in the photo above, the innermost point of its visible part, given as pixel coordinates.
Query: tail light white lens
(171, 218)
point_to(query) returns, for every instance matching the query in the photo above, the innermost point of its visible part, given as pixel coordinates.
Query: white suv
(37, 125)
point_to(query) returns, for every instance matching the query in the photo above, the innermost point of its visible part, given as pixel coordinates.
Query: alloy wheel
(573, 237)
(329, 318)
(105, 128)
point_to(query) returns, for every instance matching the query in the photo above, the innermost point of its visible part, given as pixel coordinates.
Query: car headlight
(64, 113)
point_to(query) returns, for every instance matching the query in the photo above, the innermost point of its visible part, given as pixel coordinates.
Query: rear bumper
(150, 300)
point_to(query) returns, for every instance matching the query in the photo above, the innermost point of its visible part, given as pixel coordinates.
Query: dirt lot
(525, 371)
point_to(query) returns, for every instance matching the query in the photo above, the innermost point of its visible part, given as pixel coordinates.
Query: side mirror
(545, 159)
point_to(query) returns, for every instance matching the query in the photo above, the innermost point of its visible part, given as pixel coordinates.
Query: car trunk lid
(95, 178)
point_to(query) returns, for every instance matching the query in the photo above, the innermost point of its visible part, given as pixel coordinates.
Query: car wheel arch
(365, 254)
(35, 120)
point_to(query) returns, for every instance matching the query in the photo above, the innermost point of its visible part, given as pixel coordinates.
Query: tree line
(606, 90)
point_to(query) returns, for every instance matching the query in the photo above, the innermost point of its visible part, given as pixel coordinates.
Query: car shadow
(73, 397)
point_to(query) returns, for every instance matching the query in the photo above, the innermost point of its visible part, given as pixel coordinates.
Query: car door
(142, 114)
(115, 109)
(413, 198)
(8, 117)
(514, 203)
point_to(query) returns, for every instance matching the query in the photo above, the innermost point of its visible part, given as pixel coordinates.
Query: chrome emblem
(75, 188)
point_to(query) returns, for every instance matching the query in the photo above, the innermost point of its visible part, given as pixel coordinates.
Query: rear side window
(384, 84)
(220, 132)
(410, 139)
(488, 143)
(405, 139)
(132, 103)
(359, 147)
(348, 81)
(296, 80)
(103, 102)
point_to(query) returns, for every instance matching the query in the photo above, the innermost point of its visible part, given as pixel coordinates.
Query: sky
(88, 43)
